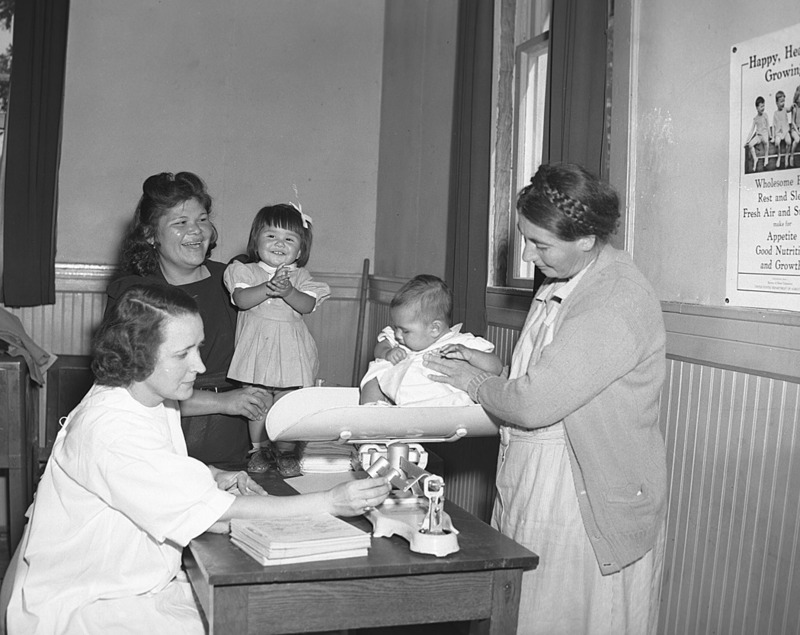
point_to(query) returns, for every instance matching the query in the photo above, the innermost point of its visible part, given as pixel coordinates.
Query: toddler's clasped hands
(279, 286)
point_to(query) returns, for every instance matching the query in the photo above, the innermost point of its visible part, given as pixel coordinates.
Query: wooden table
(391, 586)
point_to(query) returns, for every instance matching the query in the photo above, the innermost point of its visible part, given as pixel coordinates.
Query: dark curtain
(469, 464)
(467, 263)
(33, 151)
(575, 111)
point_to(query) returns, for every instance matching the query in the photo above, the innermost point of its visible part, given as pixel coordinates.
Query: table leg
(229, 610)
(18, 498)
(506, 587)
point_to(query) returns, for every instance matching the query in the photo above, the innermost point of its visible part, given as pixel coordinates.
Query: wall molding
(762, 342)
(753, 341)
(759, 342)
(84, 277)
(91, 278)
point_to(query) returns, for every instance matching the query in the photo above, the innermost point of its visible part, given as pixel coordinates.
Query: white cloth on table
(536, 506)
(408, 382)
(117, 503)
(273, 344)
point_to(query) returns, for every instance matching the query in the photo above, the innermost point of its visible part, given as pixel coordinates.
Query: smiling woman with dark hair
(169, 242)
(120, 498)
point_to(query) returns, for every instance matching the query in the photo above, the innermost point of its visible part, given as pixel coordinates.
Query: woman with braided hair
(581, 476)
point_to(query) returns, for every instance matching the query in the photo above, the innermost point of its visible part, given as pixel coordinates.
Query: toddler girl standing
(274, 348)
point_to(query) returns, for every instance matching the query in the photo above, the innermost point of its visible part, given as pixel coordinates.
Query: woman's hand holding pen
(481, 360)
(454, 351)
(356, 497)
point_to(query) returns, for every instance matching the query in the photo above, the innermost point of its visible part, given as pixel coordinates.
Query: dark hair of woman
(160, 193)
(125, 346)
(570, 202)
(285, 217)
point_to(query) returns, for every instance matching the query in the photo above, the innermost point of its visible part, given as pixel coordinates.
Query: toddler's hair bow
(306, 219)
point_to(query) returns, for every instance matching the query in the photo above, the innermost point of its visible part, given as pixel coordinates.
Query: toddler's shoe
(285, 457)
(260, 461)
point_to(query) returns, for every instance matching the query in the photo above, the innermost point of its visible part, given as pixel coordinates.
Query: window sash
(530, 71)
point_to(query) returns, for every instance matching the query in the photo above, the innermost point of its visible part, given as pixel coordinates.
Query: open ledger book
(301, 539)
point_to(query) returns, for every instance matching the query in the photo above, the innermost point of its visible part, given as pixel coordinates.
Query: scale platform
(333, 414)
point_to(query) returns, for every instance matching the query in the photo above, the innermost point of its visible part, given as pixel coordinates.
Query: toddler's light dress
(408, 382)
(273, 344)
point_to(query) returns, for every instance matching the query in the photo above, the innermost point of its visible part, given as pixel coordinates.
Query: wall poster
(764, 173)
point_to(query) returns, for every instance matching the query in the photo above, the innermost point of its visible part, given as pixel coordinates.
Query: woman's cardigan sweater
(602, 375)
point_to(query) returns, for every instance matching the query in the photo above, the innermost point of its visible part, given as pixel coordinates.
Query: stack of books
(300, 539)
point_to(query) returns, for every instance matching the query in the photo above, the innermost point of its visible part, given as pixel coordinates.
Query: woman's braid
(571, 208)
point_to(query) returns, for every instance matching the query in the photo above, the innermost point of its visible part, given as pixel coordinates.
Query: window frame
(513, 18)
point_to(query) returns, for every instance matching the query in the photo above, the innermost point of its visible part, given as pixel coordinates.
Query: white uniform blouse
(118, 501)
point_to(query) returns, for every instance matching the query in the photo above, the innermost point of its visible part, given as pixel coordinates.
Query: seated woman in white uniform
(120, 498)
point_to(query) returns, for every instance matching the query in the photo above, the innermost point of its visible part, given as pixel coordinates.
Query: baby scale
(389, 441)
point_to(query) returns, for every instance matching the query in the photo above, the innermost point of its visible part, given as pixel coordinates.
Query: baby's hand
(396, 355)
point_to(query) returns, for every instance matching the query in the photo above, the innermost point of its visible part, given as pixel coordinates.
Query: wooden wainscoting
(66, 327)
(730, 414)
(334, 327)
(731, 564)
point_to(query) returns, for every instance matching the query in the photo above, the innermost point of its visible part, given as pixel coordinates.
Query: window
(530, 71)
(6, 24)
(6, 21)
(521, 63)
(551, 102)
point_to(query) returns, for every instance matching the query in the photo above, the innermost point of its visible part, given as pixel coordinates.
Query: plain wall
(254, 96)
(415, 137)
(681, 130)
